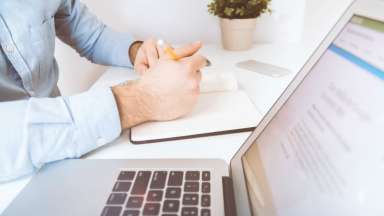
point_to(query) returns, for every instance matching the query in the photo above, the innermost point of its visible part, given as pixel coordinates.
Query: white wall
(178, 21)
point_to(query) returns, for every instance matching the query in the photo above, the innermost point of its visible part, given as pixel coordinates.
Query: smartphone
(263, 68)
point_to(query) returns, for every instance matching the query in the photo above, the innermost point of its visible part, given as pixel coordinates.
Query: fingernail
(208, 63)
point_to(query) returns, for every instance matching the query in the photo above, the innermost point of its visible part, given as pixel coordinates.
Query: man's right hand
(167, 91)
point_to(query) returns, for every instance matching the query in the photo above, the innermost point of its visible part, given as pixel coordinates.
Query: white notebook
(215, 113)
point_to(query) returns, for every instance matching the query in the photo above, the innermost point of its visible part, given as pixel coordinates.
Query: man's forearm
(42, 130)
(78, 27)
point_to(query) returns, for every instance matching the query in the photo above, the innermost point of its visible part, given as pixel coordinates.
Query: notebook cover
(216, 113)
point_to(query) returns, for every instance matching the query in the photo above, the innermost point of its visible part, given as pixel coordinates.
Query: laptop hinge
(229, 197)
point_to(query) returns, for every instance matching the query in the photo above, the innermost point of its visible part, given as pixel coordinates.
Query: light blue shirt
(37, 126)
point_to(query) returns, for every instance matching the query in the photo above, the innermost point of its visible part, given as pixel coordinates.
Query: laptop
(318, 151)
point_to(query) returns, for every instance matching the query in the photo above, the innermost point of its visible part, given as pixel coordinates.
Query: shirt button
(9, 49)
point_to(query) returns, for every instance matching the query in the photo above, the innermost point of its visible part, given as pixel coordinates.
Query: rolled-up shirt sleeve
(42, 130)
(79, 28)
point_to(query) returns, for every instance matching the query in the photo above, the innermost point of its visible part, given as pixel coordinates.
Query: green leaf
(238, 9)
(228, 11)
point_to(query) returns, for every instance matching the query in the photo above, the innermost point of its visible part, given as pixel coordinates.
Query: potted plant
(238, 20)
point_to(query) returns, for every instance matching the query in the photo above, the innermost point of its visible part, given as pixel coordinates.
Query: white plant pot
(237, 34)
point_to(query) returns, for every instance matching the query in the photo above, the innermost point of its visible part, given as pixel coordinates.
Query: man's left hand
(146, 55)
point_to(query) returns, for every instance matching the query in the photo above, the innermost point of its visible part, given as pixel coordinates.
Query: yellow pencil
(171, 53)
(168, 50)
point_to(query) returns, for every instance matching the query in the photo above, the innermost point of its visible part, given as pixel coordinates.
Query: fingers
(194, 82)
(152, 53)
(160, 45)
(147, 56)
(188, 50)
(196, 62)
(198, 80)
(141, 62)
(198, 77)
(141, 68)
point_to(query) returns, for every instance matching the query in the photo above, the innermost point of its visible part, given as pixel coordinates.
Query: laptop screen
(323, 152)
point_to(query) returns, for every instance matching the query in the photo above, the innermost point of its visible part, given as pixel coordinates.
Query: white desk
(262, 90)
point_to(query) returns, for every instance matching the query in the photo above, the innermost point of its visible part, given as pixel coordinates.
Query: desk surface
(262, 90)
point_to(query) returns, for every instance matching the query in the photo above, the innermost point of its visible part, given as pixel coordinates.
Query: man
(37, 125)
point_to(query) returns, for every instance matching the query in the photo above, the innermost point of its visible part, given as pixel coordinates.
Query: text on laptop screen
(323, 152)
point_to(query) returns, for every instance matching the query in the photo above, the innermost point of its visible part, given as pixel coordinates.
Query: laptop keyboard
(165, 193)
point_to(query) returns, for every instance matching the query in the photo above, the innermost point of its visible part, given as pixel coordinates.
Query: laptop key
(126, 175)
(171, 206)
(169, 215)
(158, 180)
(141, 182)
(135, 202)
(173, 192)
(205, 212)
(206, 187)
(116, 198)
(155, 195)
(189, 211)
(131, 213)
(206, 176)
(191, 187)
(175, 178)
(205, 200)
(192, 176)
(190, 199)
(151, 209)
(111, 211)
(122, 186)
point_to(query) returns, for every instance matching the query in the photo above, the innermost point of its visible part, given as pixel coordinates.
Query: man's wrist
(130, 103)
(133, 49)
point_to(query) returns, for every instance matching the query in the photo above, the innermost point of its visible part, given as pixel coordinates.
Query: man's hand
(147, 54)
(166, 91)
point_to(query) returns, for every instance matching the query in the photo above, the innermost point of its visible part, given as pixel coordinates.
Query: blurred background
(183, 21)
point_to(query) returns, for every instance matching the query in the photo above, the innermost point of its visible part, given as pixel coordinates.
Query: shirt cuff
(97, 118)
(112, 48)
